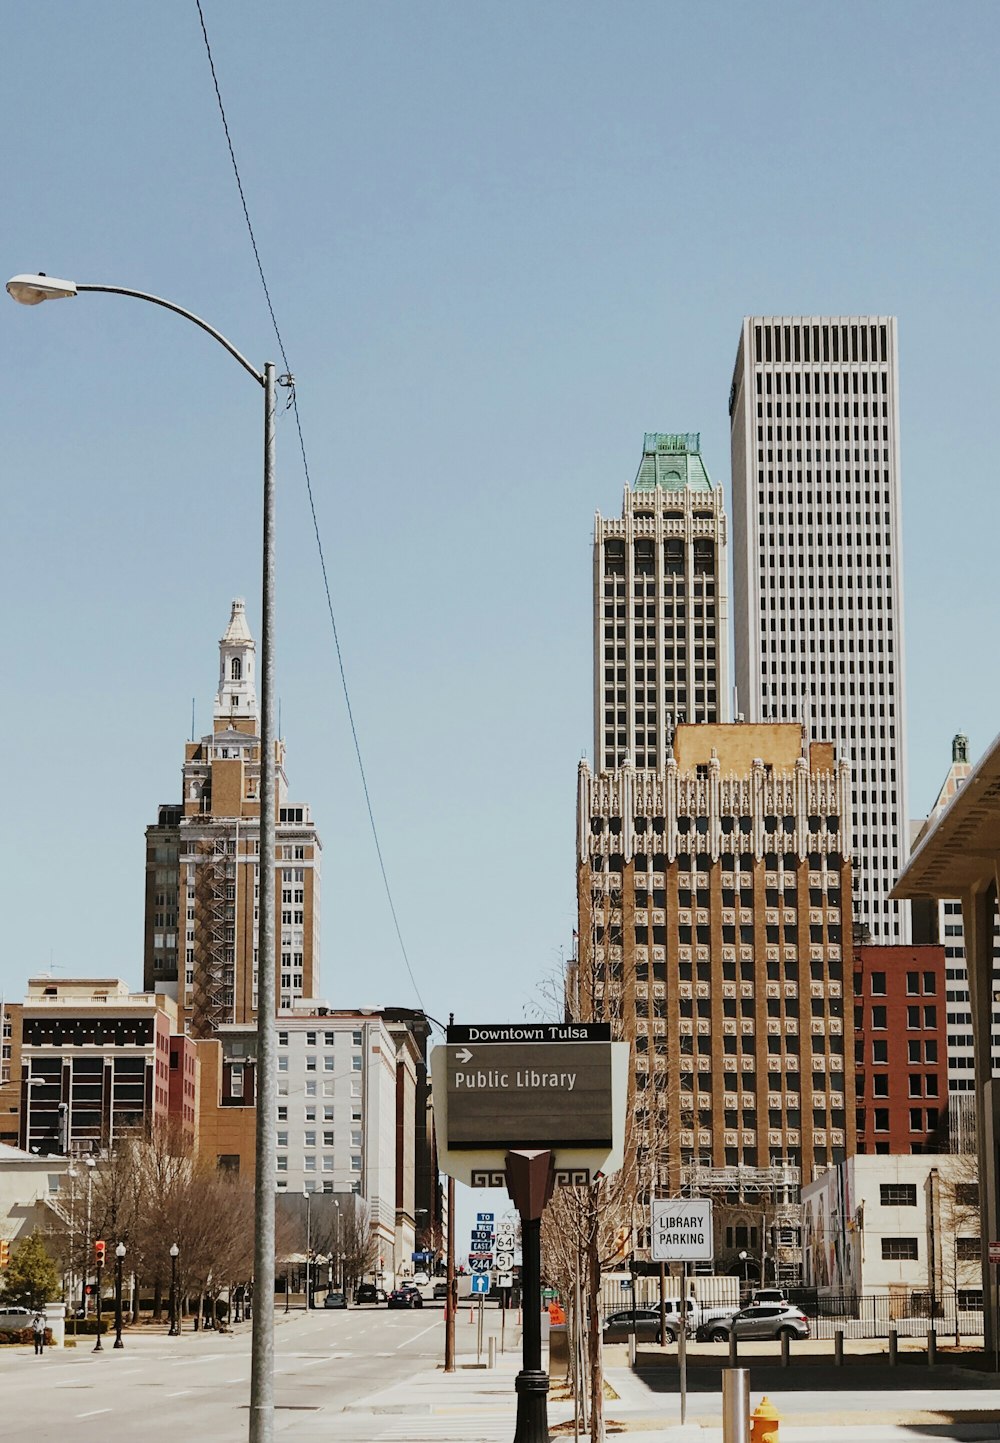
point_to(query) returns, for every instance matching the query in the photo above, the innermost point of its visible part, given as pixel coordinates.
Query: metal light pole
(173, 1330)
(29, 290)
(119, 1263)
(308, 1198)
(90, 1165)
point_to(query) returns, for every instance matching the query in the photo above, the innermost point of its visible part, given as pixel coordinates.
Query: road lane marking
(93, 1412)
(183, 1393)
(428, 1329)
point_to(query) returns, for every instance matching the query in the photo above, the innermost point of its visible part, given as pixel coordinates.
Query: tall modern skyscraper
(817, 580)
(202, 866)
(660, 607)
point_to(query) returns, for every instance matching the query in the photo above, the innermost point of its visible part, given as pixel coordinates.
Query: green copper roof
(673, 461)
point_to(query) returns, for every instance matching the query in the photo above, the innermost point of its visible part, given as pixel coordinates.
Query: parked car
(335, 1300)
(760, 1320)
(367, 1293)
(618, 1326)
(440, 1291)
(775, 1296)
(420, 1280)
(405, 1297)
(13, 1319)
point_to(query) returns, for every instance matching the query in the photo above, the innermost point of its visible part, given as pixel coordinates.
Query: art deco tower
(817, 577)
(202, 860)
(660, 607)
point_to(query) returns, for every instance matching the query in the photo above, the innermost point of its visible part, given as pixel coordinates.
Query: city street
(198, 1385)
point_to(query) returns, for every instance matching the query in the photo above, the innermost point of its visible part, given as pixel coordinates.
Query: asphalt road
(162, 1390)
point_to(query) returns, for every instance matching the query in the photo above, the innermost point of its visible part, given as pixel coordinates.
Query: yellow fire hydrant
(764, 1423)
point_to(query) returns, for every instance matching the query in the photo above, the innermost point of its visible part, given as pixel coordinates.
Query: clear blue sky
(503, 240)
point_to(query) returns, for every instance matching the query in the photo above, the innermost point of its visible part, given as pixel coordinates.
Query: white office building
(660, 607)
(817, 577)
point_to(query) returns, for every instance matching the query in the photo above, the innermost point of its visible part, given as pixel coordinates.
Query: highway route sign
(479, 1265)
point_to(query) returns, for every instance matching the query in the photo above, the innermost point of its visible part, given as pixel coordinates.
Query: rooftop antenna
(192, 718)
(279, 716)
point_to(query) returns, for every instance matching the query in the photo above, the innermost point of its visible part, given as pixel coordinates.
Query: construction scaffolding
(215, 933)
(773, 1192)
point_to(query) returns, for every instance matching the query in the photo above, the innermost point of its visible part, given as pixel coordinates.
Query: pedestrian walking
(38, 1333)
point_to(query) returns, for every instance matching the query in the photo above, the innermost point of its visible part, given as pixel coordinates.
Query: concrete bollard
(735, 1405)
(931, 1347)
(631, 1350)
(893, 1347)
(492, 1352)
(786, 1349)
(733, 1348)
(838, 1348)
(55, 1321)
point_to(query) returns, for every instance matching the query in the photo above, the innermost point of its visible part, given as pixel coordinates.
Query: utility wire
(293, 402)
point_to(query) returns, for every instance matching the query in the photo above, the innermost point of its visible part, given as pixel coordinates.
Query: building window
(881, 1119)
(968, 1250)
(879, 1018)
(898, 1194)
(899, 1249)
(878, 984)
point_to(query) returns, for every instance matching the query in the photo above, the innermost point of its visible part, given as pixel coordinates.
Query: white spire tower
(237, 694)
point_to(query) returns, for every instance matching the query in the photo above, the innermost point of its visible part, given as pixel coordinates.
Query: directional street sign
(507, 1087)
(480, 1284)
(484, 1219)
(536, 1094)
(681, 1230)
(505, 1280)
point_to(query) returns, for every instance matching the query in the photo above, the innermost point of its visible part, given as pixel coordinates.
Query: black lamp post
(173, 1330)
(119, 1263)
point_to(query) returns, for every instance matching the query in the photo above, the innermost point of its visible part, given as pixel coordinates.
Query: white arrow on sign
(464, 1056)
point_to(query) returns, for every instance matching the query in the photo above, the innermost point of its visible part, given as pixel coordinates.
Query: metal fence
(958, 1315)
(955, 1315)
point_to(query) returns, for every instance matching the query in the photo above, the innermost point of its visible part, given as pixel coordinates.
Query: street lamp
(173, 1330)
(119, 1263)
(308, 1198)
(29, 290)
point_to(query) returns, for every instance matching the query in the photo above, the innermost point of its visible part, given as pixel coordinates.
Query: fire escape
(215, 928)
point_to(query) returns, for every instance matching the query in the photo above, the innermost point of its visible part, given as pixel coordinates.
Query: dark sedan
(405, 1298)
(617, 1326)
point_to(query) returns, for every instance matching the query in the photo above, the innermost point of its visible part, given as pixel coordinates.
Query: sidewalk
(478, 1405)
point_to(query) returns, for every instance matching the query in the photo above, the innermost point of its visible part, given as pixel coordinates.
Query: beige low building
(904, 1225)
(28, 1182)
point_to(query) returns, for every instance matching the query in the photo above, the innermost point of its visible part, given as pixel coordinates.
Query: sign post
(681, 1232)
(530, 1104)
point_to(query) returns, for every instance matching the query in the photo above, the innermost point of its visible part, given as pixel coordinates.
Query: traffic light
(100, 1248)
(4, 1253)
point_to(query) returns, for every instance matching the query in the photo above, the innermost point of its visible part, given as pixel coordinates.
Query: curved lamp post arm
(29, 290)
(188, 316)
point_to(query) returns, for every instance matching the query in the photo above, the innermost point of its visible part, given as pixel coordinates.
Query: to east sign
(529, 1095)
(681, 1230)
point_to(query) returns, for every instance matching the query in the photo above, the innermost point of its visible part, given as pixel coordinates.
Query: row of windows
(329, 1038)
(309, 1163)
(816, 342)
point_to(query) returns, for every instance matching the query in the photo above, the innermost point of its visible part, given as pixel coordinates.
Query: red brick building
(901, 1049)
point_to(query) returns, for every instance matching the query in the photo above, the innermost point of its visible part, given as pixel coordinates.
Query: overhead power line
(294, 404)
